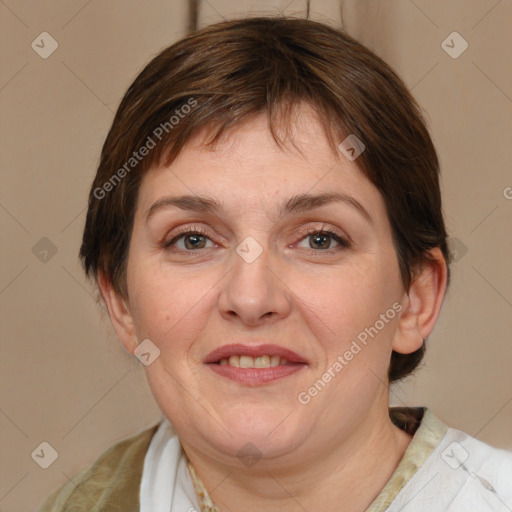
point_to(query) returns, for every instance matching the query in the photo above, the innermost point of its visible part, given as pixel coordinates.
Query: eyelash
(194, 230)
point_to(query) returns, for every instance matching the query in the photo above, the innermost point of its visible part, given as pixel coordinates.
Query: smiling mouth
(254, 365)
(255, 371)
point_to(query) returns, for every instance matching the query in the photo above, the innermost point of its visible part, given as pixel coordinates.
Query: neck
(335, 479)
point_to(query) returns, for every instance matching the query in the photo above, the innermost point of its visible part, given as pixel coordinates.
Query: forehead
(247, 170)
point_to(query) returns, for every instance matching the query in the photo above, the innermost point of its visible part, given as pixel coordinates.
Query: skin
(297, 294)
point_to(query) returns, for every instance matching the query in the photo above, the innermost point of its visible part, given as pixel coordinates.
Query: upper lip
(240, 349)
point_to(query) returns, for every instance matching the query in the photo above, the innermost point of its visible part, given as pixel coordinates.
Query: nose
(254, 293)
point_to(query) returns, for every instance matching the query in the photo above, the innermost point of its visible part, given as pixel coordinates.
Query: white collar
(166, 485)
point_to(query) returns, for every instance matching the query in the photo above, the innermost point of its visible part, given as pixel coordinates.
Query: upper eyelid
(321, 226)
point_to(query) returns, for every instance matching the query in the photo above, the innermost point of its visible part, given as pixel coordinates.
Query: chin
(272, 431)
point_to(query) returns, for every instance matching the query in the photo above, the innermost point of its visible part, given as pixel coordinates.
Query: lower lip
(256, 376)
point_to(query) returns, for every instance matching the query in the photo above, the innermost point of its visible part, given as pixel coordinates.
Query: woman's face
(261, 272)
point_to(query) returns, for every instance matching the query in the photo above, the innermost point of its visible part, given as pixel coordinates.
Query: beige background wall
(64, 377)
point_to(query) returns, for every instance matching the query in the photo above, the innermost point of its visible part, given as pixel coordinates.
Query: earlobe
(422, 305)
(119, 313)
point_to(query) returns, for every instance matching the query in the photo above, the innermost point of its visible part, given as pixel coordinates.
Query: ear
(422, 304)
(119, 312)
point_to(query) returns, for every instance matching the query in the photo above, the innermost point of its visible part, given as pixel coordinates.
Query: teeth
(234, 361)
(246, 362)
(254, 362)
(261, 361)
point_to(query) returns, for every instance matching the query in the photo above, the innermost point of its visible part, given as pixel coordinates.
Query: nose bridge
(251, 266)
(252, 289)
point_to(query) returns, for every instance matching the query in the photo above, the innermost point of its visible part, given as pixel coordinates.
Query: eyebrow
(296, 204)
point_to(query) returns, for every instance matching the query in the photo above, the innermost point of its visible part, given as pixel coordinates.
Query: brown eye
(322, 240)
(196, 241)
(192, 240)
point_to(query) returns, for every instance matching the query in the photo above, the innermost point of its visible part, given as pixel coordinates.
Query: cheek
(348, 305)
(168, 307)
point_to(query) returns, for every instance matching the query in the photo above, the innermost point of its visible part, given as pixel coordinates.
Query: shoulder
(458, 473)
(482, 472)
(477, 474)
(478, 459)
(110, 484)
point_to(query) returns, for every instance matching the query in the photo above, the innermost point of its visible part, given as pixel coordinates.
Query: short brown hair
(228, 72)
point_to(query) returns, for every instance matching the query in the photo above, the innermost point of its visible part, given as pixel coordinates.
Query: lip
(226, 351)
(256, 376)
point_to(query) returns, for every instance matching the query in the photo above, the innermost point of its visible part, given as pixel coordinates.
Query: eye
(320, 240)
(195, 238)
(192, 239)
